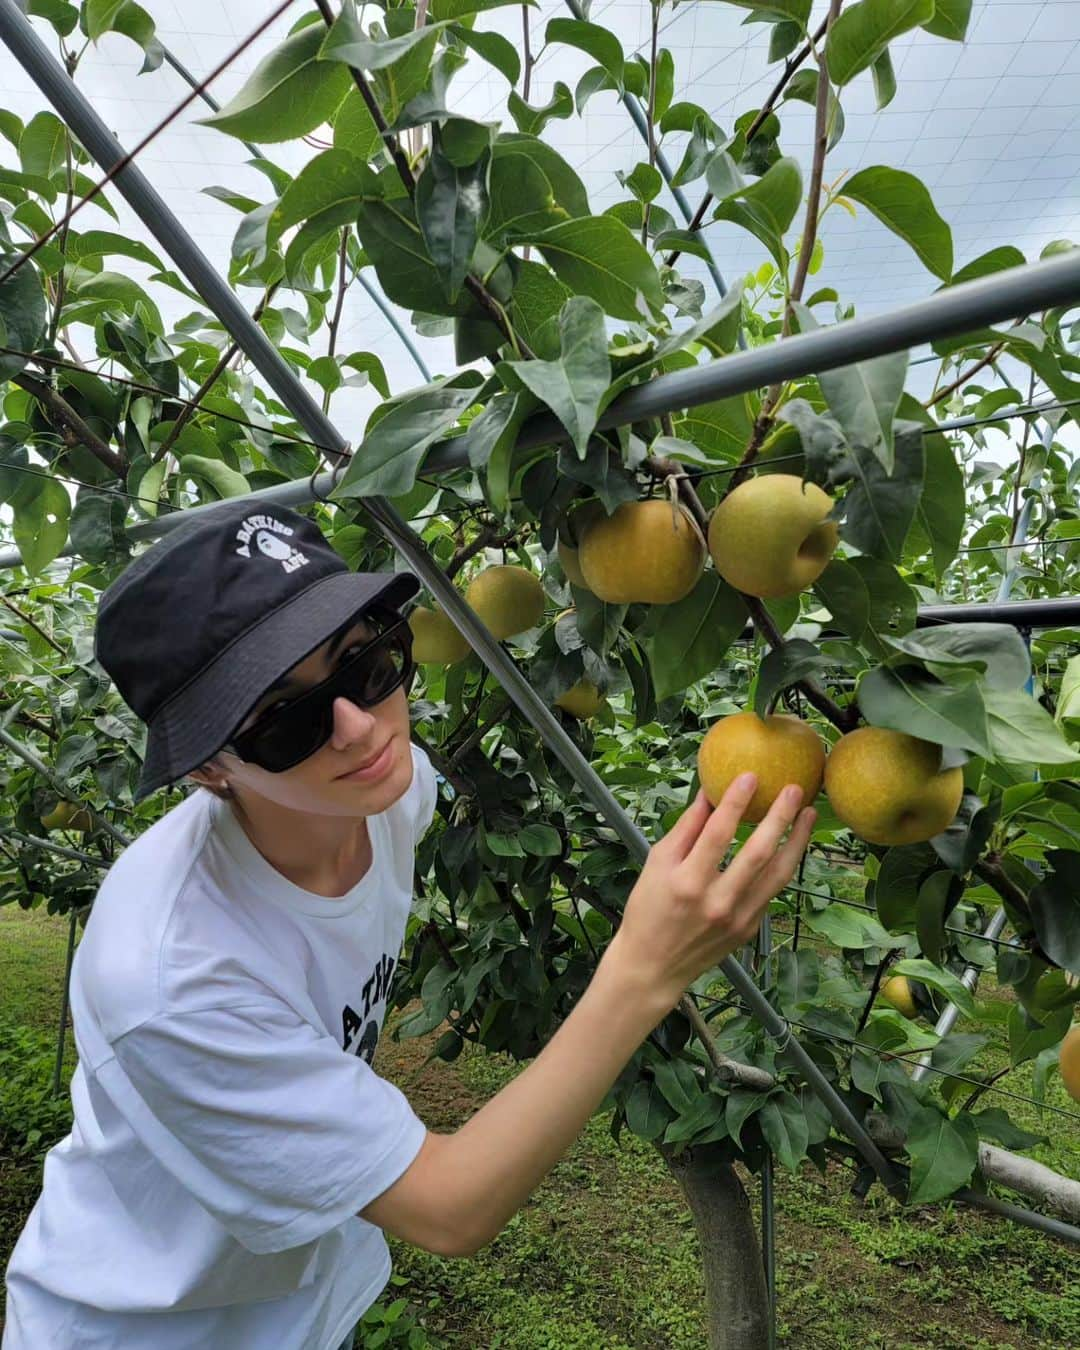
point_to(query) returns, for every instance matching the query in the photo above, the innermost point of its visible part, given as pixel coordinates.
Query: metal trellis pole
(73, 106)
(970, 977)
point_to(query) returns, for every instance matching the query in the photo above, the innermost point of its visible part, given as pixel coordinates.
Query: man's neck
(326, 855)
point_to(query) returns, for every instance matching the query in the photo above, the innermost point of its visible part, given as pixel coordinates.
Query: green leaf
(996, 650)
(1055, 910)
(931, 908)
(97, 527)
(943, 1152)
(224, 480)
(348, 43)
(533, 120)
(573, 386)
(291, 92)
(647, 1113)
(22, 313)
(778, 11)
(766, 206)
(864, 30)
(367, 363)
(950, 19)
(1023, 732)
(863, 398)
(568, 189)
(535, 306)
(693, 634)
(460, 9)
(43, 145)
(720, 430)
(912, 701)
(942, 508)
(450, 204)
(541, 840)
(392, 240)
(493, 48)
(328, 191)
(902, 203)
(1028, 1037)
(783, 1123)
(521, 199)
(784, 666)
(893, 603)
(130, 20)
(884, 79)
(994, 1123)
(593, 39)
(103, 243)
(387, 460)
(665, 83)
(63, 17)
(847, 928)
(879, 506)
(896, 889)
(843, 592)
(40, 528)
(937, 977)
(599, 257)
(355, 129)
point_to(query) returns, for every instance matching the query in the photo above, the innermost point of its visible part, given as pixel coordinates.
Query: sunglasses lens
(296, 732)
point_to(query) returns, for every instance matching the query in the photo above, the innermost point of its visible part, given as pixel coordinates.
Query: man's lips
(373, 762)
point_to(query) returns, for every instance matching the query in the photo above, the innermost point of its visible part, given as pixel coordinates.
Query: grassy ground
(604, 1256)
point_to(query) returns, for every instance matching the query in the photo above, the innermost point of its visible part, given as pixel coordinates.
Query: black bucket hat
(198, 627)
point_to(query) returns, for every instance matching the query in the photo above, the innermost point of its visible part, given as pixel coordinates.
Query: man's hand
(688, 911)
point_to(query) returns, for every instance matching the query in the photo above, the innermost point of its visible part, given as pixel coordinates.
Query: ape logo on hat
(266, 530)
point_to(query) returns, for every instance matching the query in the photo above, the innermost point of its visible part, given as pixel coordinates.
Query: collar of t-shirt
(279, 888)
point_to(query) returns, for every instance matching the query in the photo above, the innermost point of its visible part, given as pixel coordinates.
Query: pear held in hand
(647, 552)
(779, 749)
(770, 537)
(889, 788)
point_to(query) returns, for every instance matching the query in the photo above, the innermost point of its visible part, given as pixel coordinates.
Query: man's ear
(212, 775)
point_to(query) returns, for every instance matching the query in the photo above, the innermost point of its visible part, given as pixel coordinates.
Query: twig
(34, 625)
(842, 718)
(61, 285)
(462, 786)
(74, 430)
(479, 733)
(473, 285)
(654, 7)
(791, 65)
(488, 535)
(343, 267)
(943, 394)
(883, 965)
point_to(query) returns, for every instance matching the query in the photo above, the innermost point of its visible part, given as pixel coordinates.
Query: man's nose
(351, 723)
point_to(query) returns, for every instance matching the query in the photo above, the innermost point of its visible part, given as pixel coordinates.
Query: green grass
(604, 1255)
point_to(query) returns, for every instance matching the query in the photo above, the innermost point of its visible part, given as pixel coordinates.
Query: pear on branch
(889, 788)
(770, 537)
(435, 640)
(649, 552)
(509, 599)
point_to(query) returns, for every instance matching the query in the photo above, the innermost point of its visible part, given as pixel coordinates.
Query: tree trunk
(735, 1295)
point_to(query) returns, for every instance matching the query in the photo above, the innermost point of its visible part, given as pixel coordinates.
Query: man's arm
(686, 912)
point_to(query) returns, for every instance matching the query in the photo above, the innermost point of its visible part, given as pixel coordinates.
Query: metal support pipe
(970, 977)
(72, 105)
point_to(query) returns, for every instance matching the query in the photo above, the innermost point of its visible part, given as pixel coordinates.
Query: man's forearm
(499, 1156)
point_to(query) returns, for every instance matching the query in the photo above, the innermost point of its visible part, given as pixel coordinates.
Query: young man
(235, 1159)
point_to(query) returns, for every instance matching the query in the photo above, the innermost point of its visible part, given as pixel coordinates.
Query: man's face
(366, 764)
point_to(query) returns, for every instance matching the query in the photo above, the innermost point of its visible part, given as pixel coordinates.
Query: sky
(990, 126)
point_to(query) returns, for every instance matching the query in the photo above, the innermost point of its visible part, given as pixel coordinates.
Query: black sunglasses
(280, 739)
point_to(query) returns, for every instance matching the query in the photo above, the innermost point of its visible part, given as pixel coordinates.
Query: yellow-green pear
(779, 749)
(582, 700)
(647, 552)
(889, 788)
(68, 816)
(770, 537)
(435, 640)
(897, 991)
(509, 599)
(1069, 1062)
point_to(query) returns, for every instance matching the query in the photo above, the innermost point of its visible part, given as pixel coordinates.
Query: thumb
(683, 835)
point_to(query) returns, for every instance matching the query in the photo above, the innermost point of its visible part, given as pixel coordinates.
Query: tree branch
(473, 285)
(34, 625)
(943, 394)
(791, 65)
(74, 430)
(844, 719)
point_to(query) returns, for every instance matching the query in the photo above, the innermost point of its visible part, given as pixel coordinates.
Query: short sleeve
(276, 1131)
(427, 790)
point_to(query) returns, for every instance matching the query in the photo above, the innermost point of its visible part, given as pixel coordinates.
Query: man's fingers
(679, 840)
(776, 874)
(714, 840)
(758, 851)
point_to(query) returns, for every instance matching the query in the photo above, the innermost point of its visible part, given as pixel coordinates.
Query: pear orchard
(770, 538)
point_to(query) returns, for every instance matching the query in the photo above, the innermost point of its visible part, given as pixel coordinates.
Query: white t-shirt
(228, 1125)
